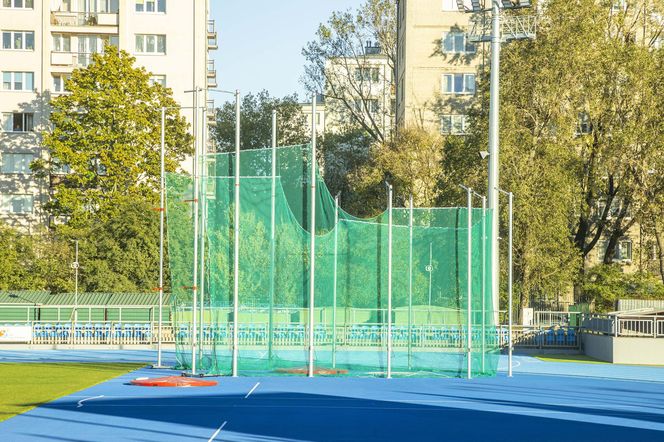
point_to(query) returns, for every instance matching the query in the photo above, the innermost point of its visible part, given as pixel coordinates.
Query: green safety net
(429, 270)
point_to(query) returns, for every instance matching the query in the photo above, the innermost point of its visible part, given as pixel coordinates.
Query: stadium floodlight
(497, 31)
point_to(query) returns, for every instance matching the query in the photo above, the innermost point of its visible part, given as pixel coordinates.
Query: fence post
(616, 325)
(654, 326)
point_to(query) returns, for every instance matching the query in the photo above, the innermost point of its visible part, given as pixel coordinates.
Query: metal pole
(236, 239)
(483, 283)
(194, 287)
(203, 202)
(494, 148)
(76, 284)
(509, 281)
(161, 231)
(312, 229)
(272, 234)
(334, 282)
(470, 284)
(389, 281)
(430, 272)
(410, 283)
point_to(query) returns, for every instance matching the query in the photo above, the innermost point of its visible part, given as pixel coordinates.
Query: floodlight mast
(518, 27)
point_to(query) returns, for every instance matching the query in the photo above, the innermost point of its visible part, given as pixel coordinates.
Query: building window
(453, 124)
(459, 83)
(18, 40)
(17, 122)
(16, 203)
(18, 81)
(370, 104)
(367, 74)
(61, 43)
(59, 82)
(18, 4)
(585, 126)
(622, 253)
(158, 79)
(457, 43)
(151, 6)
(150, 44)
(16, 162)
(450, 5)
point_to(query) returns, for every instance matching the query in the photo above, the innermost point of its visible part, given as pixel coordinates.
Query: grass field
(26, 386)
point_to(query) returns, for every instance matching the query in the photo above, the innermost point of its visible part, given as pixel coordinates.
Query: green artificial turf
(26, 386)
(582, 359)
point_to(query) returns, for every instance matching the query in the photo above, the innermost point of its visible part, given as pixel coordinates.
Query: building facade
(43, 41)
(436, 65)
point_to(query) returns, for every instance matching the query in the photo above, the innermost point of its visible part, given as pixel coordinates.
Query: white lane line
(252, 390)
(80, 403)
(216, 432)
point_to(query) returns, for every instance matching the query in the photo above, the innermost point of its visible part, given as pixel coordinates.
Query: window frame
(145, 42)
(24, 5)
(13, 171)
(7, 199)
(459, 117)
(155, 3)
(465, 78)
(464, 43)
(13, 81)
(24, 39)
(6, 117)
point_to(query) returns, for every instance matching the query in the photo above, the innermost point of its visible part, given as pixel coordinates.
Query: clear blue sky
(260, 42)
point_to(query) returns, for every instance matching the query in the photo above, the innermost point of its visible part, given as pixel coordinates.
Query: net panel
(429, 320)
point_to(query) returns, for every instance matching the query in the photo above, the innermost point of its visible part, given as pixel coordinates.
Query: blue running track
(542, 402)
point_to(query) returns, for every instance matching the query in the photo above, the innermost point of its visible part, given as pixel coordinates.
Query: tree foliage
(580, 135)
(256, 122)
(106, 135)
(339, 53)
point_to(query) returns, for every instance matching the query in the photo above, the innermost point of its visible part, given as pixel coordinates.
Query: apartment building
(358, 90)
(436, 65)
(43, 41)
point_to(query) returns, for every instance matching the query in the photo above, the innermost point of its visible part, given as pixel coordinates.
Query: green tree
(119, 252)
(340, 67)
(106, 135)
(256, 122)
(579, 133)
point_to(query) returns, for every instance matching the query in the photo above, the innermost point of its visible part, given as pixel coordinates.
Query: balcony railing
(211, 35)
(211, 71)
(84, 19)
(74, 59)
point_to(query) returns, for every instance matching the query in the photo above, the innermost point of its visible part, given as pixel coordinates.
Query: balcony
(211, 36)
(211, 112)
(76, 19)
(71, 59)
(211, 71)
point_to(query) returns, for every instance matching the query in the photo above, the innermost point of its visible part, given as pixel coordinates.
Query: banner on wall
(15, 333)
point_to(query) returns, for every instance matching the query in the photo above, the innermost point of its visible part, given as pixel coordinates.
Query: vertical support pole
(430, 274)
(483, 283)
(76, 283)
(389, 281)
(203, 203)
(236, 241)
(162, 209)
(410, 283)
(494, 150)
(469, 303)
(510, 270)
(194, 287)
(273, 197)
(334, 282)
(312, 231)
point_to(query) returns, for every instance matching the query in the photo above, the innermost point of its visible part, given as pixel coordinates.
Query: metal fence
(294, 334)
(624, 326)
